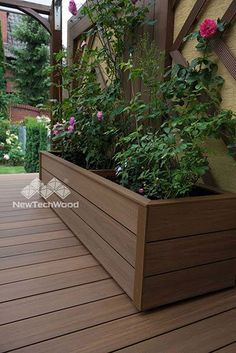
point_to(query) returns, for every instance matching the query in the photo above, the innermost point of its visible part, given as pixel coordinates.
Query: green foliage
(93, 142)
(36, 141)
(167, 163)
(11, 152)
(31, 61)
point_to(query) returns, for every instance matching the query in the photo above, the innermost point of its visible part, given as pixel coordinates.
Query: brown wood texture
(187, 283)
(72, 305)
(119, 237)
(189, 216)
(182, 241)
(113, 262)
(114, 200)
(170, 255)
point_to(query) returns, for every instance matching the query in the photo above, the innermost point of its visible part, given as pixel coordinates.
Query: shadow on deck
(56, 298)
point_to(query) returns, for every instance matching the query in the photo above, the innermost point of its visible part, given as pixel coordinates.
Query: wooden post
(164, 27)
(56, 46)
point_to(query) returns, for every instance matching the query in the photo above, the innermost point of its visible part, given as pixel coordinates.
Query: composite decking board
(27, 248)
(188, 252)
(33, 230)
(26, 288)
(193, 338)
(33, 223)
(35, 237)
(71, 305)
(117, 334)
(117, 265)
(65, 321)
(46, 268)
(118, 236)
(19, 212)
(116, 205)
(231, 348)
(26, 217)
(53, 301)
(42, 256)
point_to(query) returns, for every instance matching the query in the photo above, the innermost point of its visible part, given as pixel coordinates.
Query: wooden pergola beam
(17, 4)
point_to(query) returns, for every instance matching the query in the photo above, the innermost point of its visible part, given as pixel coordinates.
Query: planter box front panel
(113, 245)
(159, 252)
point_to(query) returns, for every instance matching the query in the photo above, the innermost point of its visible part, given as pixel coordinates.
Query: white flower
(6, 157)
(18, 147)
(8, 141)
(8, 132)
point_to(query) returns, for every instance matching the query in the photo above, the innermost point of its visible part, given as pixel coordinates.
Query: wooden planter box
(159, 252)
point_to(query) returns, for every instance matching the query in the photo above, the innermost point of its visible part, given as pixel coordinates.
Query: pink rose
(141, 191)
(73, 8)
(208, 28)
(71, 128)
(100, 116)
(72, 121)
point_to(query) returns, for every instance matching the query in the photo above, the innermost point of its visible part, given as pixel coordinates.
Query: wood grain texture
(189, 216)
(65, 321)
(118, 236)
(46, 268)
(187, 283)
(50, 283)
(72, 305)
(182, 340)
(116, 265)
(113, 199)
(112, 336)
(170, 255)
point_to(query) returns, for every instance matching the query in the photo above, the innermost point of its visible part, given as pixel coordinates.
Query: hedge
(36, 141)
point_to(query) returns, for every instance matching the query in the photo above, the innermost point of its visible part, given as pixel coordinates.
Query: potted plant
(160, 235)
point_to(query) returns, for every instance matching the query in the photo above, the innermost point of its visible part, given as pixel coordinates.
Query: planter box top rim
(142, 200)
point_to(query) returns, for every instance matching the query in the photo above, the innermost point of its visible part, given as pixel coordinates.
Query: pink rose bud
(73, 8)
(72, 121)
(100, 116)
(71, 128)
(141, 191)
(208, 28)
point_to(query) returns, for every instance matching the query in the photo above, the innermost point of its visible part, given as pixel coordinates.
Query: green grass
(11, 170)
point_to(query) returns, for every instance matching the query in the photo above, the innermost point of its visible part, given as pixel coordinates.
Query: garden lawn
(11, 170)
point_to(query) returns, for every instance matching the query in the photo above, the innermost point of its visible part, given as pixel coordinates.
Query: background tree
(32, 59)
(3, 96)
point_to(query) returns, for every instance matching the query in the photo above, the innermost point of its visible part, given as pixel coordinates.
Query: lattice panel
(188, 16)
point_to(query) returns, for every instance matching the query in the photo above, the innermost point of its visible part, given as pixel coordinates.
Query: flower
(208, 28)
(72, 121)
(100, 116)
(6, 157)
(73, 8)
(8, 132)
(71, 128)
(8, 141)
(141, 191)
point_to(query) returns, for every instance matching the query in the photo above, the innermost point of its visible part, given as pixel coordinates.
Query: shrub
(36, 141)
(11, 152)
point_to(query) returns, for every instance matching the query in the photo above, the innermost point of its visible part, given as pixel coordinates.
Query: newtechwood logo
(37, 189)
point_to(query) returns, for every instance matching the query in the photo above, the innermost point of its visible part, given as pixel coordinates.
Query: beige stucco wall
(223, 166)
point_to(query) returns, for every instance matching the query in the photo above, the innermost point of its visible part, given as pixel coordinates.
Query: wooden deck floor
(56, 298)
